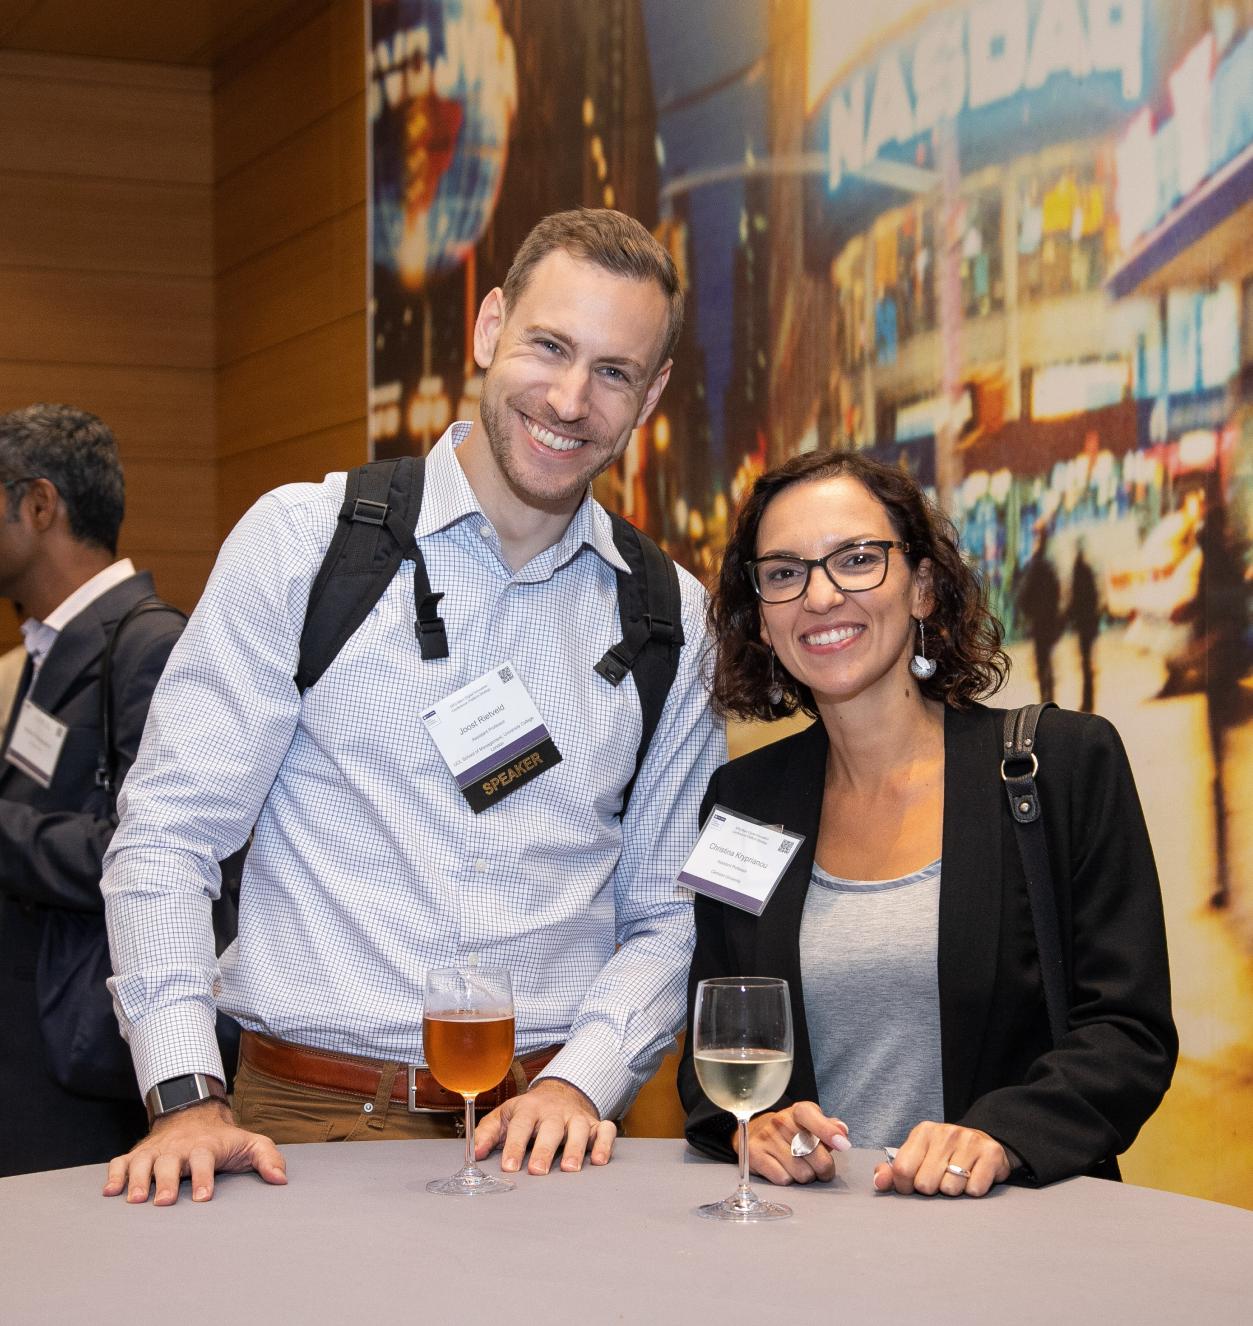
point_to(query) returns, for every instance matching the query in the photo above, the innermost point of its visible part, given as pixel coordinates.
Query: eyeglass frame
(812, 563)
(21, 478)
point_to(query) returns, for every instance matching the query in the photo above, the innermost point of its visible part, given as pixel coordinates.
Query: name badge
(491, 737)
(738, 860)
(35, 746)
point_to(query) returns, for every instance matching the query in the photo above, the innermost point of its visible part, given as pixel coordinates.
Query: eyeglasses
(851, 568)
(23, 478)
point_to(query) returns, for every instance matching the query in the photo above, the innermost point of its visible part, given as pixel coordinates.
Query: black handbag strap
(107, 755)
(1019, 765)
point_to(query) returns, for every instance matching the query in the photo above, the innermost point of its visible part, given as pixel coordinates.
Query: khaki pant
(287, 1112)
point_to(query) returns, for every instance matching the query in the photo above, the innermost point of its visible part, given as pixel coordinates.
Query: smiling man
(368, 865)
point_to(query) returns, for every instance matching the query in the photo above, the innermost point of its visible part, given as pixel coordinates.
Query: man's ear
(43, 502)
(653, 394)
(488, 326)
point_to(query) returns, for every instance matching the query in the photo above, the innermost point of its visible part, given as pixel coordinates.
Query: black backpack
(375, 533)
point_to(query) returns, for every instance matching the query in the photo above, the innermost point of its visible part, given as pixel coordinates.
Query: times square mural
(1002, 243)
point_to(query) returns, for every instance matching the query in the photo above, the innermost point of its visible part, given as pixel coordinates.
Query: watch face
(179, 1091)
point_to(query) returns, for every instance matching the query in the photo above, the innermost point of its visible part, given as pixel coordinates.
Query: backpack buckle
(369, 513)
(660, 629)
(613, 666)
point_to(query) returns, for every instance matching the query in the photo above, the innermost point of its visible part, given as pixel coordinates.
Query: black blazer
(1063, 1110)
(52, 842)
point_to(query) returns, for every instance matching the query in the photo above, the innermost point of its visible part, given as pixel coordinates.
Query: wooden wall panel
(170, 504)
(313, 71)
(112, 119)
(296, 388)
(154, 412)
(122, 318)
(313, 279)
(312, 176)
(173, 31)
(106, 283)
(243, 477)
(290, 253)
(113, 225)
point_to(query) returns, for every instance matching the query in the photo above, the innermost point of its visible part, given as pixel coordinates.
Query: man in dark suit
(62, 508)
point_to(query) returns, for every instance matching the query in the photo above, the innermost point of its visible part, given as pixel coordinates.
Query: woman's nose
(822, 591)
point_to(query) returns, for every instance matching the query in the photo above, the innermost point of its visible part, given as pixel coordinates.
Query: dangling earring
(920, 665)
(775, 693)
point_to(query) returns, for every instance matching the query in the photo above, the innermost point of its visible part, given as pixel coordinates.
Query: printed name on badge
(35, 746)
(491, 737)
(738, 860)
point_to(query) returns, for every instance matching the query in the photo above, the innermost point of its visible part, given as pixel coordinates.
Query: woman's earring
(920, 665)
(775, 692)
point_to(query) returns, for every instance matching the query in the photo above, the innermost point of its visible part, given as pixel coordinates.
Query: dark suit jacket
(52, 841)
(1064, 1110)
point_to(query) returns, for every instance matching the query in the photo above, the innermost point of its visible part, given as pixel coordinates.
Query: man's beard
(497, 415)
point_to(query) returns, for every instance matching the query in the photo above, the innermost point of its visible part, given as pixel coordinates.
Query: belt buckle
(411, 1072)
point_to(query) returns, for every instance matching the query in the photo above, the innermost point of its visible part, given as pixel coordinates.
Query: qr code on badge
(505, 674)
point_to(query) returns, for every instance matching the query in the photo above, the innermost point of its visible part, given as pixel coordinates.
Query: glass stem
(744, 1195)
(469, 1132)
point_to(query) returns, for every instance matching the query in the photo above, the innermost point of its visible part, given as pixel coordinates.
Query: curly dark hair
(963, 636)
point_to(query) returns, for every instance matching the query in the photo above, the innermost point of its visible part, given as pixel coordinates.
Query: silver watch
(178, 1093)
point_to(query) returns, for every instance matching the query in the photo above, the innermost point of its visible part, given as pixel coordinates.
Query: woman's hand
(770, 1144)
(922, 1162)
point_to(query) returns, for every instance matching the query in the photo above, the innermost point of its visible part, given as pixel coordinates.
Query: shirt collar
(447, 497)
(88, 592)
(40, 636)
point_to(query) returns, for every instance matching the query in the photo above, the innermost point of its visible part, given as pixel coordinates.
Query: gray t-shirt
(872, 1001)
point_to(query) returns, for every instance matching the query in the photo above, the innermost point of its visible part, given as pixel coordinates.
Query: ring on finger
(958, 1171)
(803, 1143)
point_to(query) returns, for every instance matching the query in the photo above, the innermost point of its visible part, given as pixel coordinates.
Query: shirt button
(480, 866)
(485, 531)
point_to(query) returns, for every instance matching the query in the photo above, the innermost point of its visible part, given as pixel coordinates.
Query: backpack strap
(650, 607)
(106, 754)
(374, 534)
(1019, 765)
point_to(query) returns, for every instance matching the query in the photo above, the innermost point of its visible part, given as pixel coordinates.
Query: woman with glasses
(902, 922)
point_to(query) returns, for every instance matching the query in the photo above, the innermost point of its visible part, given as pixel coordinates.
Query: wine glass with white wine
(467, 1034)
(742, 1047)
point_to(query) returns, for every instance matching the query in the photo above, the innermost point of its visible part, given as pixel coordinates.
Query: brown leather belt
(411, 1086)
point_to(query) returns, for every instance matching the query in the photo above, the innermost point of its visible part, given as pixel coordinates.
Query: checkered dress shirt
(367, 866)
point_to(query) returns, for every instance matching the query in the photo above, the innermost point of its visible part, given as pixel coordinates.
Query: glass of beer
(467, 1034)
(742, 1046)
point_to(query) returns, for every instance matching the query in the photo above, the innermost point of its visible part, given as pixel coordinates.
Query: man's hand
(549, 1111)
(770, 1144)
(196, 1143)
(922, 1163)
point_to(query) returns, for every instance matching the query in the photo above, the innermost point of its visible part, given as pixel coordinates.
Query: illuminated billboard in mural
(1010, 77)
(1002, 243)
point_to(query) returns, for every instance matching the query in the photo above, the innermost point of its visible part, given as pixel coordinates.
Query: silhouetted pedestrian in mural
(1085, 617)
(1039, 608)
(1217, 617)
